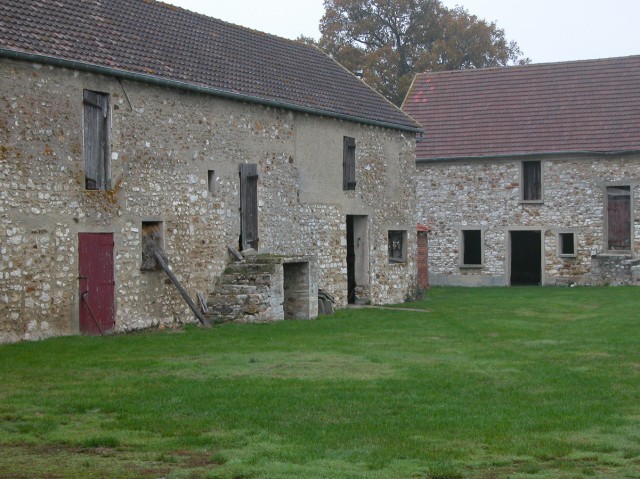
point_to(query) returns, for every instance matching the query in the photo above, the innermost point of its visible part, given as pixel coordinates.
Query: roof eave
(528, 155)
(161, 81)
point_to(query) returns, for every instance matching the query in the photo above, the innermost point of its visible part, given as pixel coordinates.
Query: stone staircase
(264, 288)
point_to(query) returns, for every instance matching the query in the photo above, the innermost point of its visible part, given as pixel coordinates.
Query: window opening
(531, 181)
(349, 164)
(96, 140)
(211, 181)
(567, 244)
(472, 247)
(397, 246)
(152, 241)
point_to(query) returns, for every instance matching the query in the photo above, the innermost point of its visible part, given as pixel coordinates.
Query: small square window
(471, 247)
(567, 244)
(152, 241)
(397, 246)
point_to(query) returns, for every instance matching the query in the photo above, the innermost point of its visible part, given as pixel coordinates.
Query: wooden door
(423, 260)
(619, 218)
(97, 285)
(248, 206)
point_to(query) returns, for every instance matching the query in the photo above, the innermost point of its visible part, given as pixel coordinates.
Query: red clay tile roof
(158, 40)
(580, 106)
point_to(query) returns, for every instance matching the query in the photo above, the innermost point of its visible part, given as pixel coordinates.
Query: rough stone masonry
(174, 158)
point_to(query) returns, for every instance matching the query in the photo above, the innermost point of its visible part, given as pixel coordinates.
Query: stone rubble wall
(163, 143)
(485, 194)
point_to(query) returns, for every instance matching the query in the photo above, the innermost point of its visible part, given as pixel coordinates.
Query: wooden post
(179, 287)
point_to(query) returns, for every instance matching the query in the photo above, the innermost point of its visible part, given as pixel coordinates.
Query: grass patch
(498, 382)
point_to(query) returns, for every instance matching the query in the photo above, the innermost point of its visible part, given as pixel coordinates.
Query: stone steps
(242, 293)
(264, 288)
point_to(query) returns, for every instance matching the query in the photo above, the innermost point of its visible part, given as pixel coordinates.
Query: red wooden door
(96, 275)
(423, 259)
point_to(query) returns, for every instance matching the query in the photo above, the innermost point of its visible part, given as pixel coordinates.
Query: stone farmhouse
(530, 174)
(134, 133)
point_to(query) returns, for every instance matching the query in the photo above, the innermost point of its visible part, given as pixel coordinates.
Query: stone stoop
(615, 270)
(243, 294)
(634, 268)
(264, 288)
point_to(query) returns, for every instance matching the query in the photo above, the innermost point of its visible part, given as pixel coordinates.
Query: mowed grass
(485, 383)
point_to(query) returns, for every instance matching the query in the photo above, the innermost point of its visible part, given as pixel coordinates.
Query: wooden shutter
(248, 206)
(96, 141)
(619, 218)
(349, 164)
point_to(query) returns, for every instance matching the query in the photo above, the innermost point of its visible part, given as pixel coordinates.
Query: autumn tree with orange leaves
(389, 41)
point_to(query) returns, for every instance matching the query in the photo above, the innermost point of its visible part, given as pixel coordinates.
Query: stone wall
(166, 145)
(485, 195)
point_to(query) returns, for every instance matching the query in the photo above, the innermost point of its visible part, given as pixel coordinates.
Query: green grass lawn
(486, 383)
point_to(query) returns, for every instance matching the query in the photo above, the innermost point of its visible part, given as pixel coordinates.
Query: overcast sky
(545, 30)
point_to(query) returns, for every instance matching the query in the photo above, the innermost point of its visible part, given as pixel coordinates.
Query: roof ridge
(260, 33)
(154, 39)
(582, 105)
(527, 66)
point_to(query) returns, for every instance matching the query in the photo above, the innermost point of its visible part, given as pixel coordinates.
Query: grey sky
(546, 30)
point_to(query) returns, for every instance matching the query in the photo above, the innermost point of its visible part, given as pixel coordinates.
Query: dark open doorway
(357, 259)
(526, 259)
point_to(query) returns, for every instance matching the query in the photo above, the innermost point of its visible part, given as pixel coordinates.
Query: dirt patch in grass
(26, 461)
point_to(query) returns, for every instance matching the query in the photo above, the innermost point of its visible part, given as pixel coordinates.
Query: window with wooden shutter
(96, 140)
(619, 218)
(248, 206)
(349, 164)
(531, 181)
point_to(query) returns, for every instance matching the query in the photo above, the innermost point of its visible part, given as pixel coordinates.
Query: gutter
(155, 80)
(527, 155)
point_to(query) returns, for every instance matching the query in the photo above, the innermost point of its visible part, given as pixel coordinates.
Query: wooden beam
(180, 289)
